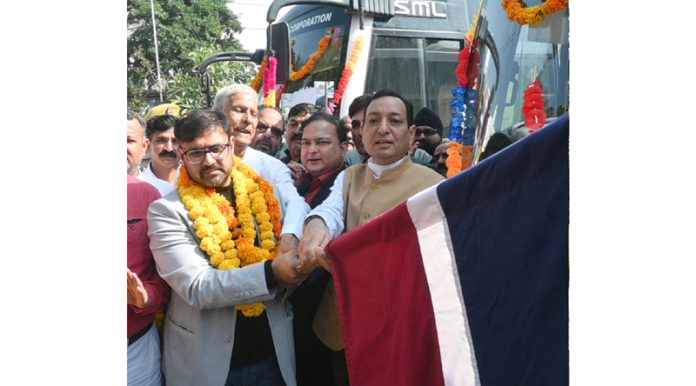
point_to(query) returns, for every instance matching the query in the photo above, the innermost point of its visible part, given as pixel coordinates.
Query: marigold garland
(348, 71)
(309, 66)
(517, 11)
(228, 240)
(256, 83)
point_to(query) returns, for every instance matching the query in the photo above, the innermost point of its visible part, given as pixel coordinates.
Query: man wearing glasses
(428, 130)
(269, 132)
(219, 264)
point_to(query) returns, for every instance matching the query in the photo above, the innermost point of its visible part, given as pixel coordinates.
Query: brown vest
(365, 198)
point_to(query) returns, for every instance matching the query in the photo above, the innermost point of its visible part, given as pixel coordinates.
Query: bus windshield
(308, 26)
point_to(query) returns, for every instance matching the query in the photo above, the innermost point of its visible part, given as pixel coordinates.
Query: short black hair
(341, 132)
(302, 109)
(391, 93)
(197, 122)
(358, 104)
(158, 124)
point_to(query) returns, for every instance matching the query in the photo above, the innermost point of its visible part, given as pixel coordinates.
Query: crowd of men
(323, 184)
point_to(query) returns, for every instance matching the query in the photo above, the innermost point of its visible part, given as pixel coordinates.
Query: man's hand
(298, 171)
(315, 236)
(285, 263)
(137, 295)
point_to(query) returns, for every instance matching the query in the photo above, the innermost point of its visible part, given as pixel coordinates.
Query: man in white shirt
(163, 169)
(239, 103)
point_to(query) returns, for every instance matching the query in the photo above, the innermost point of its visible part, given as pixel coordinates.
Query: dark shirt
(317, 189)
(253, 341)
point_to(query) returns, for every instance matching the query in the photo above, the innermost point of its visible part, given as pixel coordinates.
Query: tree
(187, 32)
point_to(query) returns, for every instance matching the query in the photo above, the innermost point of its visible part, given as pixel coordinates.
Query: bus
(408, 46)
(413, 47)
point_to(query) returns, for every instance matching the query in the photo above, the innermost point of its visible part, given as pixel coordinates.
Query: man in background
(270, 128)
(163, 169)
(136, 143)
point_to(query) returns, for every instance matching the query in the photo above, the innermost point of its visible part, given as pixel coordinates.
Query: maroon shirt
(140, 195)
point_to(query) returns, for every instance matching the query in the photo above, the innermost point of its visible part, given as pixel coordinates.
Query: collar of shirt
(317, 183)
(377, 170)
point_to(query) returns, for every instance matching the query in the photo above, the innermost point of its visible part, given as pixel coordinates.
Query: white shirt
(277, 173)
(164, 187)
(331, 209)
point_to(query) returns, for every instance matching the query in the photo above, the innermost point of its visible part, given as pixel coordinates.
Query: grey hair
(224, 94)
(130, 115)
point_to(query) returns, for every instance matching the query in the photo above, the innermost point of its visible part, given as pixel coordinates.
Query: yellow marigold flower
(196, 211)
(246, 218)
(231, 254)
(267, 235)
(251, 310)
(265, 226)
(226, 236)
(227, 244)
(268, 244)
(206, 242)
(204, 231)
(220, 227)
(249, 233)
(201, 222)
(216, 259)
(227, 264)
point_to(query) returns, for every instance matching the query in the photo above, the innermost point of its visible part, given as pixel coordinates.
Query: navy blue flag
(466, 283)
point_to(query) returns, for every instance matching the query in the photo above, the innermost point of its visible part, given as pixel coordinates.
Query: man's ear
(412, 132)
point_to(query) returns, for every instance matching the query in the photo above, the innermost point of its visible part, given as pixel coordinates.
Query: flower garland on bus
(228, 239)
(533, 107)
(269, 83)
(347, 72)
(461, 135)
(517, 11)
(309, 66)
(256, 83)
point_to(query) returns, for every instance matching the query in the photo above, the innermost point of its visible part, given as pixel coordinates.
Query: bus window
(422, 70)
(441, 58)
(308, 25)
(395, 63)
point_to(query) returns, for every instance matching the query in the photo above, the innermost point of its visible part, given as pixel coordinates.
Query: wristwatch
(312, 217)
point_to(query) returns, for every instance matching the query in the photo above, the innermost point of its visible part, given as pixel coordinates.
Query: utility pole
(154, 34)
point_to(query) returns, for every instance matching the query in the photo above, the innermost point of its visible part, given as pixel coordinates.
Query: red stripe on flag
(380, 280)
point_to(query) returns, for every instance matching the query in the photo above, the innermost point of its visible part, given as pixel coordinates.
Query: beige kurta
(365, 198)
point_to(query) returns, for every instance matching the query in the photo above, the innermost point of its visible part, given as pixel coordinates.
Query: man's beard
(427, 146)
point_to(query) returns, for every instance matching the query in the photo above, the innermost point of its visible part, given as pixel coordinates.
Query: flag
(466, 283)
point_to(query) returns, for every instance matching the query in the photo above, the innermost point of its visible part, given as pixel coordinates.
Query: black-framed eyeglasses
(427, 131)
(275, 131)
(196, 156)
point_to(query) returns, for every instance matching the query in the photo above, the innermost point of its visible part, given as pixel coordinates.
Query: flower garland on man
(215, 242)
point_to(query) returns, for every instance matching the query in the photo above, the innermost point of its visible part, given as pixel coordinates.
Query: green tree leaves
(187, 32)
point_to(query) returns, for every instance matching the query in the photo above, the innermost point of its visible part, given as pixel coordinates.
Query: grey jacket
(200, 321)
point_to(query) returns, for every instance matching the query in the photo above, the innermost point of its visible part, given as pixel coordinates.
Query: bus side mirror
(279, 36)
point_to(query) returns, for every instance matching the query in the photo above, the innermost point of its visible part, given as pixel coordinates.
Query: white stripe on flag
(456, 351)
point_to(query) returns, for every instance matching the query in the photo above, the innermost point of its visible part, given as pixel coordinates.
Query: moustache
(209, 169)
(296, 137)
(170, 154)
